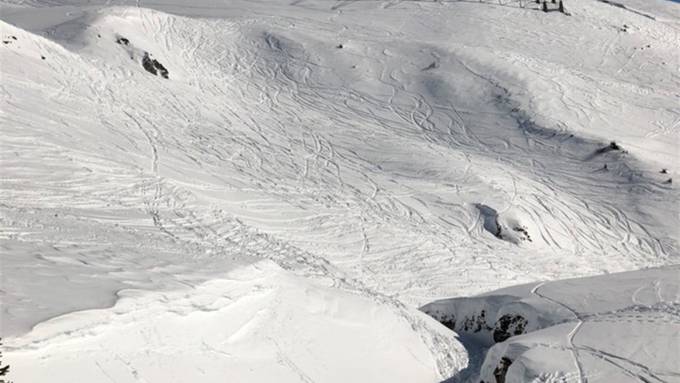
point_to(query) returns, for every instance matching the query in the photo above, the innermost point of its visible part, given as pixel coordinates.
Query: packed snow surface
(270, 189)
(258, 323)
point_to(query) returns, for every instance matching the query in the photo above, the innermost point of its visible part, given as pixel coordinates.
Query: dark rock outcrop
(433, 65)
(149, 64)
(449, 321)
(502, 369)
(524, 234)
(612, 146)
(508, 326)
(122, 41)
(153, 66)
(475, 323)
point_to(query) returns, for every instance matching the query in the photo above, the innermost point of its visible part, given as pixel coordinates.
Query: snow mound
(251, 325)
(610, 328)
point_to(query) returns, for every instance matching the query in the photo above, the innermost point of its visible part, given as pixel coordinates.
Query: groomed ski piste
(313, 191)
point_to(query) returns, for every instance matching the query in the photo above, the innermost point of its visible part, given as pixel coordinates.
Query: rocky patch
(613, 146)
(9, 39)
(449, 321)
(507, 229)
(505, 327)
(469, 324)
(149, 63)
(153, 66)
(522, 232)
(433, 65)
(475, 324)
(508, 326)
(502, 369)
(122, 41)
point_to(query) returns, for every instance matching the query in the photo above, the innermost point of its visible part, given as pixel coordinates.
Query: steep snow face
(613, 328)
(405, 150)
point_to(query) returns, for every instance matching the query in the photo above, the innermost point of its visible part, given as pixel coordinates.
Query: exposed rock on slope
(149, 64)
(616, 326)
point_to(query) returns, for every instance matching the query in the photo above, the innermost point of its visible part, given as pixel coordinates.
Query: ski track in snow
(615, 327)
(571, 335)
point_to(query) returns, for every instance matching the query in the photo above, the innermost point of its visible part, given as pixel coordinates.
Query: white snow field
(268, 190)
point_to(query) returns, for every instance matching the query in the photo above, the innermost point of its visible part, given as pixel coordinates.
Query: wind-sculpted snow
(398, 151)
(618, 327)
(250, 326)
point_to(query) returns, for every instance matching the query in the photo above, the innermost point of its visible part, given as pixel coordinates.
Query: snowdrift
(252, 325)
(613, 328)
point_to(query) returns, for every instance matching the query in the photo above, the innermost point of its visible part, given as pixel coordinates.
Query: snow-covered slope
(405, 151)
(611, 328)
(255, 324)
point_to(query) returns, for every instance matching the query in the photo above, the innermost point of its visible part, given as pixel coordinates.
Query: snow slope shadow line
(476, 355)
(578, 150)
(625, 7)
(505, 102)
(528, 5)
